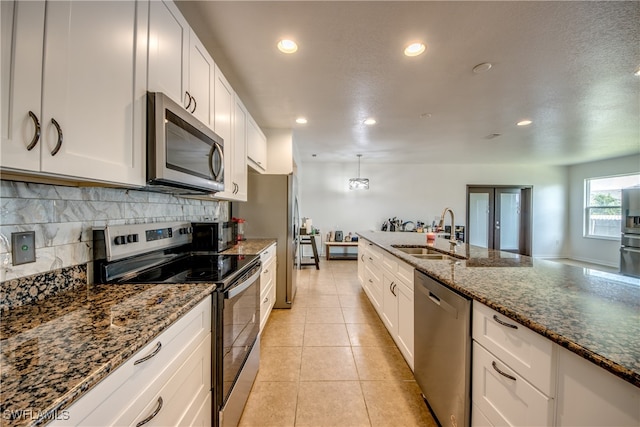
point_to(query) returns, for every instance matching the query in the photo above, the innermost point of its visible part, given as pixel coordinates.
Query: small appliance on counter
(213, 236)
(239, 225)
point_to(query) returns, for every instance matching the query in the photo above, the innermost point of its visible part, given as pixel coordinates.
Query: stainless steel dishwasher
(442, 362)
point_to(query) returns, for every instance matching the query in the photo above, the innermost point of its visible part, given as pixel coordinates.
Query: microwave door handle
(216, 147)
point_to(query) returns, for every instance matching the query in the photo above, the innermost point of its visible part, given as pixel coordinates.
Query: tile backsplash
(63, 217)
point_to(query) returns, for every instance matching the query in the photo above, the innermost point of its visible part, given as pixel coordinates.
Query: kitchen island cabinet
(76, 76)
(574, 314)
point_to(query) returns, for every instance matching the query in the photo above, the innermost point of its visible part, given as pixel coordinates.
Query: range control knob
(120, 240)
(132, 238)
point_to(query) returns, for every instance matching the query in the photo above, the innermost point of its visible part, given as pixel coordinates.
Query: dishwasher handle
(440, 302)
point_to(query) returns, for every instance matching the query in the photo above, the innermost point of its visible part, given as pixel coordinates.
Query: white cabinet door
(405, 322)
(93, 103)
(168, 51)
(228, 123)
(22, 34)
(588, 395)
(239, 165)
(201, 81)
(256, 146)
(92, 113)
(390, 303)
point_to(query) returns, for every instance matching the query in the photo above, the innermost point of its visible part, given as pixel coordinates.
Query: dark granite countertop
(250, 246)
(592, 313)
(53, 351)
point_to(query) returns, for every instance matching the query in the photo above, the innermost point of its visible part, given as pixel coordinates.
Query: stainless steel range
(164, 253)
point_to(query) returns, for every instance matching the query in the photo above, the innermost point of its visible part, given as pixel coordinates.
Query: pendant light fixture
(359, 183)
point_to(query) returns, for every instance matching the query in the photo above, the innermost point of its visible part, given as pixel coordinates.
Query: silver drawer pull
(265, 300)
(266, 271)
(150, 417)
(508, 325)
(149, 356)
(504, 374)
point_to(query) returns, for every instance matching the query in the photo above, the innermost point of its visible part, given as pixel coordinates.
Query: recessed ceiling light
(370, 121)
(524, 123)
(637, 73)
(301, 121)
(287, 46)
(482, 68)
(425, 115)
(415, 49)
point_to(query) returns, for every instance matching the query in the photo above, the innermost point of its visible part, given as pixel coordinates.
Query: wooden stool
(309, 240)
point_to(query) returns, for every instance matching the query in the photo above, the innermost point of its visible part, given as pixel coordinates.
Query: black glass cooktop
(194, 268)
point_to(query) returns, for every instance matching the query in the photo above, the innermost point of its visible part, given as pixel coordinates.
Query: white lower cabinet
(503, 396)
(388, 282)
(267, 283)
(513, 372)
(170, 375)
(590, 396)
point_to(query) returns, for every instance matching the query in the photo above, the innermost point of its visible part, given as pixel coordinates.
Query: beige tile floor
(329, 361)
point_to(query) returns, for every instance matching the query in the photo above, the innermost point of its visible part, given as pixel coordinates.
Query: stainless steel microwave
(184, 156)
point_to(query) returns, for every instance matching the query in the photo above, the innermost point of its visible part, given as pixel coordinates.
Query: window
(603, 205)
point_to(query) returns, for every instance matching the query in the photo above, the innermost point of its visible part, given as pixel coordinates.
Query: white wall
(601, 251)
(420, 192)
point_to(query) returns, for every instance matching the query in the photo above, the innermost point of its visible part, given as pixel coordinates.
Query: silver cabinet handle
(153, 414)
(149, 356)
(59, 143)
(362, 257)
(508, 325)
(265, 300)
(266, 272)
(370, 281)
(370, 259)
(195, 104)
(189, 97)
(504, 374)
(36, 134)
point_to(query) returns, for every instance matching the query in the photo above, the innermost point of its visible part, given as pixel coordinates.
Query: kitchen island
(593, 314)
(55, 350)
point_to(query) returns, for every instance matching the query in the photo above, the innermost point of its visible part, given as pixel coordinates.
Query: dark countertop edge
(66, 400)
(601, 361)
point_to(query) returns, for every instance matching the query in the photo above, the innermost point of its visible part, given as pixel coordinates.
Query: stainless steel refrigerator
(271, 211)
(630, 242)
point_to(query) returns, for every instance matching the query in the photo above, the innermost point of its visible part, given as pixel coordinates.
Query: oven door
(240, 329)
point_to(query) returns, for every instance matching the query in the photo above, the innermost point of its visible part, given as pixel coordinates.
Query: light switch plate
(23, 247)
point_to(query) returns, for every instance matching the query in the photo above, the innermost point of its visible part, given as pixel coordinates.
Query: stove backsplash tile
(63, 217)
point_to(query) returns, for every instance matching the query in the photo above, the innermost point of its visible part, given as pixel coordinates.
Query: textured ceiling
(568, 66)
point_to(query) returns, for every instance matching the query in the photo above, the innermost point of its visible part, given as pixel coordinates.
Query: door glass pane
(509, 221)
(479, 219)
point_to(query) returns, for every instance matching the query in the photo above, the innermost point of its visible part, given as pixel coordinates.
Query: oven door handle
(243, 286)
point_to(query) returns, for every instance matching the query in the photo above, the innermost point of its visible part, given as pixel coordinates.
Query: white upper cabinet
(256, 146)
(231, 119)
(168, 51)
(81, 110)
(179, 64)
(202, 71)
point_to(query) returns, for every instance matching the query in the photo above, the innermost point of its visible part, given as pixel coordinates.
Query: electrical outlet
(23, 247)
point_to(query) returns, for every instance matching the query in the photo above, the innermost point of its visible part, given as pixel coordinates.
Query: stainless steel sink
(423, 253)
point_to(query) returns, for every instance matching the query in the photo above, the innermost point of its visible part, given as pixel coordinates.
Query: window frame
(588, 207)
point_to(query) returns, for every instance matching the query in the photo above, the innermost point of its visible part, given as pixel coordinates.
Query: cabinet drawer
(117, 393)
(182, 395)
(531, 355)
(268, 254)
(506, 401)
